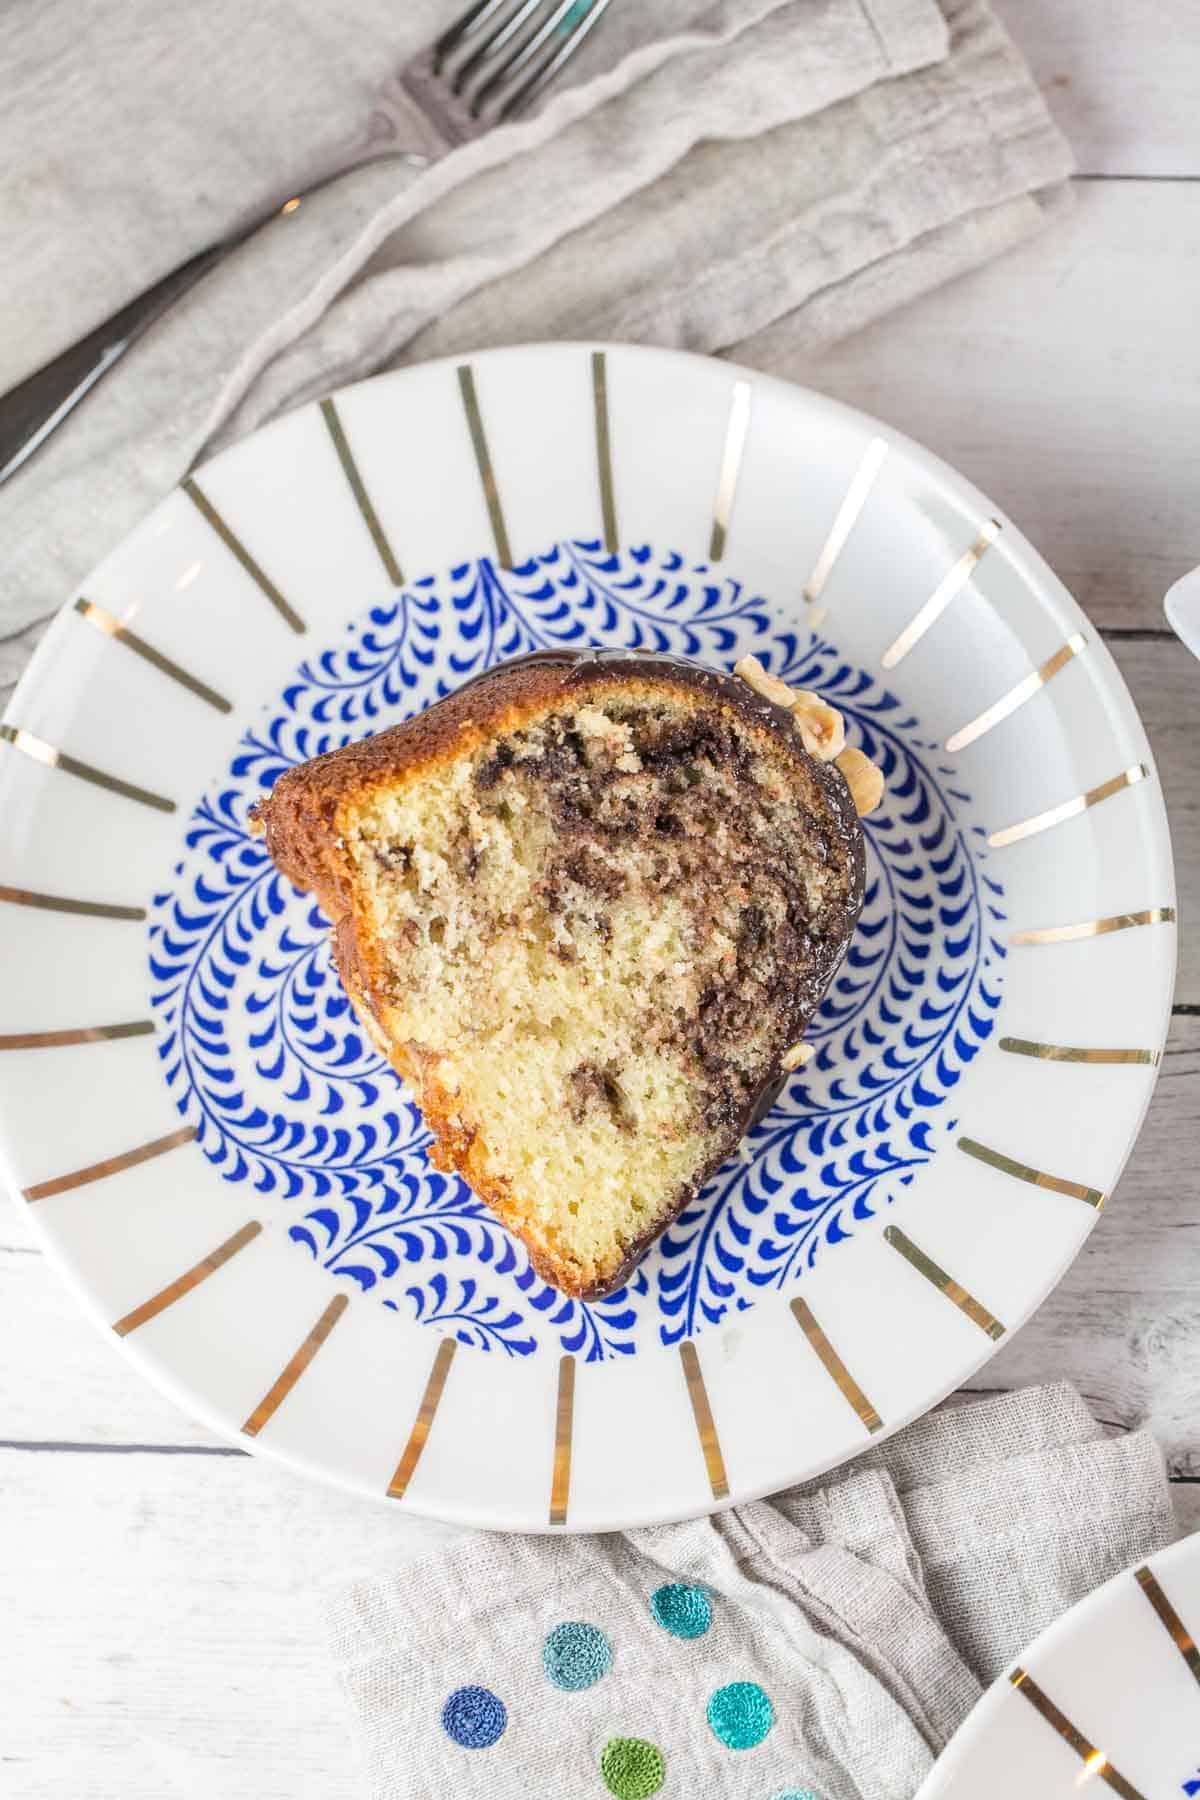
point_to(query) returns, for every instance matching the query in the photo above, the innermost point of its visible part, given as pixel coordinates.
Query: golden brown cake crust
(300, 815)
(303, 818)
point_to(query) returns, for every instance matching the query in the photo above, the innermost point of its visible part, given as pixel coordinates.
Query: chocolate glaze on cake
(731, 688)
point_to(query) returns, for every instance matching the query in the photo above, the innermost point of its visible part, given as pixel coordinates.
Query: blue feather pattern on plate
(264, 1055)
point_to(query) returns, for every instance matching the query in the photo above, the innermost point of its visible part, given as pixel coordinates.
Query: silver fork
(488, 67)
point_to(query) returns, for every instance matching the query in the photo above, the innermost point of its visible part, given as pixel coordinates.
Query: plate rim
(1046, 585)
(1084, 1611)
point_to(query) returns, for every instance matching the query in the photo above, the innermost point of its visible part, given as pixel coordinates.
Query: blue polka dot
(575, 1656)
(795, 1794)
(686, 1612)
(474, 1717)
(741, 1715)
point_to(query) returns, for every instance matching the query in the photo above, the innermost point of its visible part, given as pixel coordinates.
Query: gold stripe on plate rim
(564, 1417)
(111, 1165)
(834, 1367)
(109, 626)
(89, 909)
(237, 549)
(948, 589)
(1095, 1762)
(1069, 809)
(706, 1430)
(1179, 1634)
(50, 757)
(79, 1034)
(423, 1423)
(282, 1386)
(945, 1284)
(1007, 1165)
(604, 465)
(358, 488)
(1075, 1053)
(731, 462)
(853, 501)
(483, 461)
(1016, 696)
(1089, 928)
(183, 1284)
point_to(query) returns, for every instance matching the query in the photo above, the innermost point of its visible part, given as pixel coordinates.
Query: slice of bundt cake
(586, 906)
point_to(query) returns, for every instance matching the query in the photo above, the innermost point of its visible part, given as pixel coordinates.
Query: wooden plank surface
(1164, 680)
(161, 1590)
(1062, 379)
(1124, 1323)
(163, 1628)
(1120, 79)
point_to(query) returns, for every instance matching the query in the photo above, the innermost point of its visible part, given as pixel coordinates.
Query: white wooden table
(158, 1588)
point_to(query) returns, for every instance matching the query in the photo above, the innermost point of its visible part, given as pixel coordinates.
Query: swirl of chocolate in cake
(586, 905)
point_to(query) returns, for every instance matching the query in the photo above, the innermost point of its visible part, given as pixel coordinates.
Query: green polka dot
(632, 1768)
(741, 1715)
(684, 1611)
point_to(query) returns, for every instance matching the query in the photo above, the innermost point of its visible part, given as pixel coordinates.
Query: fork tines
(500, 55)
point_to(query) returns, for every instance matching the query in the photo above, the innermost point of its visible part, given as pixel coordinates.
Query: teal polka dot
(686, 1612)
(741, 1715)
(795, 1794)
(576, 1656)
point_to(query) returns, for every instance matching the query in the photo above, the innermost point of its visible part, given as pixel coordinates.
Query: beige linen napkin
(758, 174)
(865, 1614)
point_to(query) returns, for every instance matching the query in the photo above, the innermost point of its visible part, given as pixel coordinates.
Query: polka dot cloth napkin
(820, 1646)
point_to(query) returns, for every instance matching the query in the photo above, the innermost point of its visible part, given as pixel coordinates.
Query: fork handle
(32, 411)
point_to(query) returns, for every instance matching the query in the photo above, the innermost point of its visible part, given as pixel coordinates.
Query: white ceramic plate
(1107, 1700)
(237, 1187)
